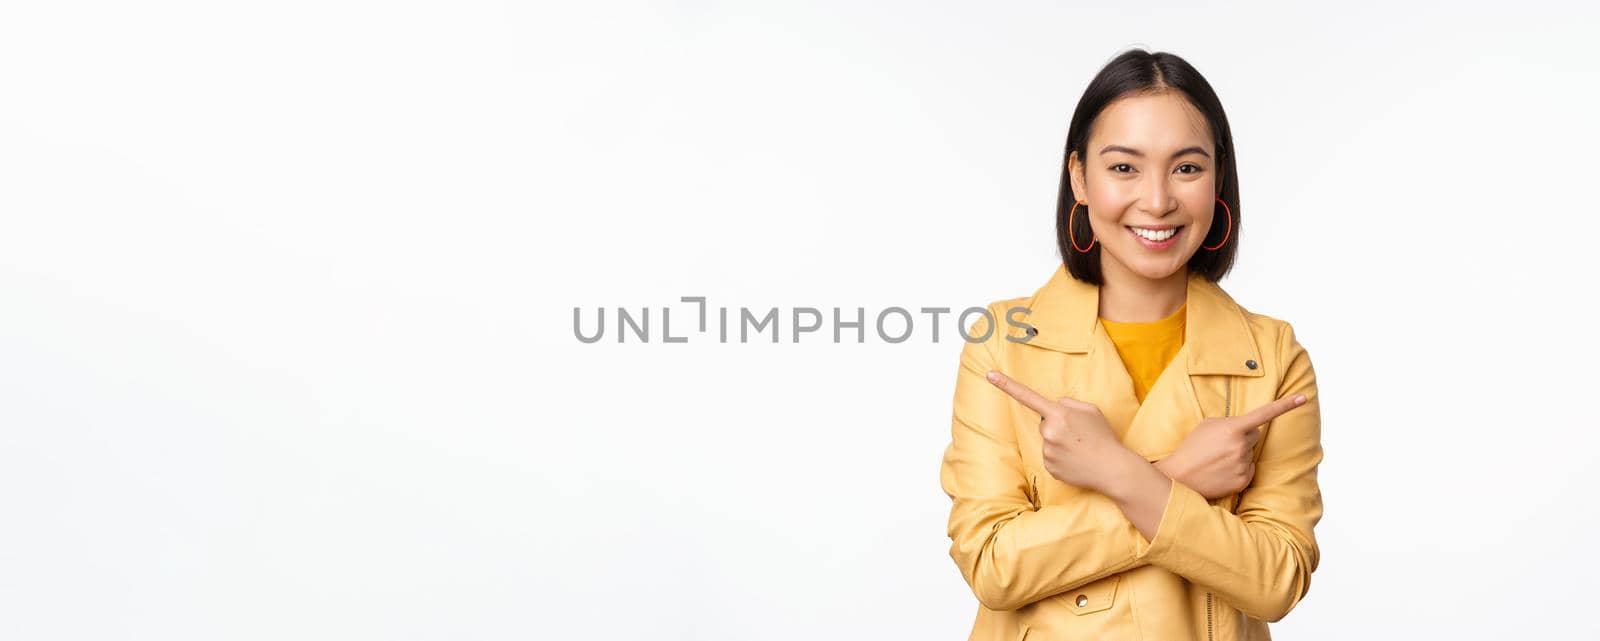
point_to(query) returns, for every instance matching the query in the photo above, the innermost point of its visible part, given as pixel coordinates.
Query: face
(1148, 179)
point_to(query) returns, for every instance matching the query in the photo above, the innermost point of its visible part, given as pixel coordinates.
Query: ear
(1075, 169)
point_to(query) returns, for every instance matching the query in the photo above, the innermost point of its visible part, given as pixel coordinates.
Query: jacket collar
(1217, 337)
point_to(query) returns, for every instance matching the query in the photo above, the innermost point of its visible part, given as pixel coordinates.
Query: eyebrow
(1129, 150)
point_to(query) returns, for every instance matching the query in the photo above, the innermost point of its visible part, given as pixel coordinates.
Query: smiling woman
(1146, 465)
(1149, 153)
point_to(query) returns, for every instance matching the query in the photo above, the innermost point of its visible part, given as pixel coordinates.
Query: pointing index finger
(1264, 414)
(1021, 392)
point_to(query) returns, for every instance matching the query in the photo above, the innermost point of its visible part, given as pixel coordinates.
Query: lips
(1156, 239)
(1155, 235)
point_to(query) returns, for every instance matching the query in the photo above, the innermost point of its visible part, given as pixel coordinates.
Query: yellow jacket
(1048, 560)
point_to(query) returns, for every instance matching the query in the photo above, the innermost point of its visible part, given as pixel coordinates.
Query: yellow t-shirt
(1146, 348)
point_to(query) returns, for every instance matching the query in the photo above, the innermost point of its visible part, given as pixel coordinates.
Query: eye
(1197, 168)
(1120, 164)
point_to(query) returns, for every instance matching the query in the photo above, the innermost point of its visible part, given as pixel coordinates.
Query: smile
(1156, 238)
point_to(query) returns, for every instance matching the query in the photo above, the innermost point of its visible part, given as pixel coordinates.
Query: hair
(1139, 72)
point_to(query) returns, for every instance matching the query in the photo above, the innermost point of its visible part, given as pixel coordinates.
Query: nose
(1157, 197)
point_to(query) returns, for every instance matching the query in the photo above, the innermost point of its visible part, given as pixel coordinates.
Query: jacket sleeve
(1011, 552)
(1259, 560)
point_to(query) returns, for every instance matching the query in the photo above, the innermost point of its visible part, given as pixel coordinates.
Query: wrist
(1171, 466)
(1130, 473)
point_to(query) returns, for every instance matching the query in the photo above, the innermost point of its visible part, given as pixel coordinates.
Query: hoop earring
(1226, 234)
(1073, 237)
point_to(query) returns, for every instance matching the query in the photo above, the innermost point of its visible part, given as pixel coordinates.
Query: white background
(286, 348)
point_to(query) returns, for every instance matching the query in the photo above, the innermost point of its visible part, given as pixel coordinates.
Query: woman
(1106, 479)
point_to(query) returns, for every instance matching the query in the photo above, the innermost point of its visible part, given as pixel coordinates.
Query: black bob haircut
(1138, 72)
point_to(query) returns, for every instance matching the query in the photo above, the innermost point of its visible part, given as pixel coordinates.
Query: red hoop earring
(1073, 237)
(1226, 234)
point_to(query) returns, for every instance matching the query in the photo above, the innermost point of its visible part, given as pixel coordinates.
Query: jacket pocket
(1093, 597)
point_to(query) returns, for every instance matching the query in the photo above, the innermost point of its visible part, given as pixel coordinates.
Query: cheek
(1201, 225)
(1106, 226)
(1102, 217)
(1108, 205)
(1204, 209)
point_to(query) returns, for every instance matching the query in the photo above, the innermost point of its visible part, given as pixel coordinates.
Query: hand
(1080, 447)
(1214, 460)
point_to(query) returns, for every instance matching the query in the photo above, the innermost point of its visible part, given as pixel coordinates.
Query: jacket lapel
(1217, 343)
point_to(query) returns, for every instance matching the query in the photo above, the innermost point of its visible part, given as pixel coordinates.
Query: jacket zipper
(1227, 410)
(1208, 616)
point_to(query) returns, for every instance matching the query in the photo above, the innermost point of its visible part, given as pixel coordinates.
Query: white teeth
(1156, 236)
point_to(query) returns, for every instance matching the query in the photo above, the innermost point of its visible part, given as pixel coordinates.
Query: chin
(1158, 272)
(1159, 275)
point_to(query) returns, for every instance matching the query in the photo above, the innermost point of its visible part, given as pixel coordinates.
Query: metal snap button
(1250, 364)
(1082, 600)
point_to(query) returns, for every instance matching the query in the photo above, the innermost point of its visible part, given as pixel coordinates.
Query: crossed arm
(1259, 559)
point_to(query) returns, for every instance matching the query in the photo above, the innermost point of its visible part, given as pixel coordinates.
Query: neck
(1127, 297)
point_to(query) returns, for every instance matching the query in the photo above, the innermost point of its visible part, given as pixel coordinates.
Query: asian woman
(1138, 460)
